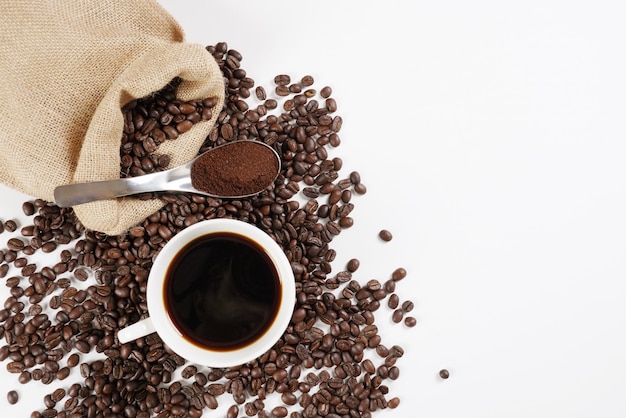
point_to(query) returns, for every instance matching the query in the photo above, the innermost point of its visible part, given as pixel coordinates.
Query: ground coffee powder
(239, 169)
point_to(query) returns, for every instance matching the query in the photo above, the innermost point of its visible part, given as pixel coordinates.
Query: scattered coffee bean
(232, 412)
(307, 81)
(280, 412)
(407, 306)
(360, 188)
(393, 301)
(282, 80)
(353, 265)
(385, 235)
(73, 360)
(58, 395)
(289, 398)
(398, 274)
(25, 377)
(28, 208)
(13, 397)
(410, 321)
(444, 373)
(260, 93)
(10, 225)
(15, 244)
(63, 373)
(282, 90)
(397, 316)
(394, 402)
(394, 372)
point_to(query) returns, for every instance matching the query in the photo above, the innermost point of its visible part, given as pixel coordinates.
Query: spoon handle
(78, 193)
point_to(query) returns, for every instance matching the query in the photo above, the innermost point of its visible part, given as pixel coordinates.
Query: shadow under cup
(221, 293)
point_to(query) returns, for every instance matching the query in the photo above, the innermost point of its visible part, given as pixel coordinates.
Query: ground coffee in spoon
(238, 169)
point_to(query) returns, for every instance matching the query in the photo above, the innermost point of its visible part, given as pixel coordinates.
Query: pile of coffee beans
(331, 361)
(153, 120)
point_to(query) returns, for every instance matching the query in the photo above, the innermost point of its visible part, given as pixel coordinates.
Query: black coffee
(222, 291)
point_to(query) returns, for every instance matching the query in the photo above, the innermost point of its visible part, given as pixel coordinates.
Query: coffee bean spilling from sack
(330, 362)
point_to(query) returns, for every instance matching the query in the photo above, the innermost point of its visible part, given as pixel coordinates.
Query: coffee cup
(220, 293)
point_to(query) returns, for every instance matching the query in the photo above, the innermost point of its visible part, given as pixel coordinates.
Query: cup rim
(168, 332)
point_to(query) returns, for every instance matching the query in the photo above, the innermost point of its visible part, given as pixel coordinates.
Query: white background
(490, 136)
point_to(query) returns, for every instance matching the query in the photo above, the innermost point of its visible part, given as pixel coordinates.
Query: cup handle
(136, 330)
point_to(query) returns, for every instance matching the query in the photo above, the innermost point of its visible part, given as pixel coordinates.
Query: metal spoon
(175, 179)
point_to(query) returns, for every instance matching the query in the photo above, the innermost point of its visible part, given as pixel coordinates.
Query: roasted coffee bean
(210, 401)
(58, 395)
(10, 256)
(28, 208)
(25, 377)
(63, 373)
(51, 366)
(10, 225)
(81, 274)
(374, 285)
(370, 330)
(307, 80)
(390, 286)
(398, 274)
(82, 346)
(250, 409)
(288, 398)
(73, 360)
(385, 235)
(397, 315)
(393, 301)
(232, 412)
(201, 378)
(12, 281)
(393, 402)
(282, 80)
(189, 372)
(444, 373)
(15, 244)
(407, 306)
(361, 189)
(216, 389)
(15, 367)
(280, 412)
(368, 366)
(396, 351)
(353, 265)
(49, 246)
(394, 372)
(260, 93)
(12, 397)
(331, 105)
(20, 262)
(28, 250)
(410, 321)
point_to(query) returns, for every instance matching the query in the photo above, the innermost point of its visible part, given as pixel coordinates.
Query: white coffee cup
(160, 321)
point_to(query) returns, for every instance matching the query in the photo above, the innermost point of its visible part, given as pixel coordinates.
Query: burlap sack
(66, 69)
